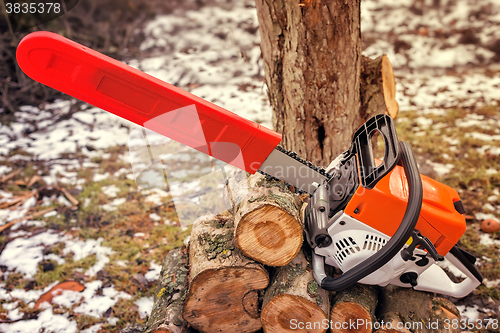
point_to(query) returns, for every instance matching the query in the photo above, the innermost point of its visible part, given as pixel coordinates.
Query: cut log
(166, 315)
(267, 222)
(403, 310)
(378, 87)
(356, 304)
(444, 311)
(294, 302)
(224, 284)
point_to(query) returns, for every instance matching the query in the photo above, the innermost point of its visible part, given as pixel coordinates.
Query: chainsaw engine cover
(383, 207)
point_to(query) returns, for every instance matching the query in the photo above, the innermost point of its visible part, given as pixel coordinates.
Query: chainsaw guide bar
(285, 161)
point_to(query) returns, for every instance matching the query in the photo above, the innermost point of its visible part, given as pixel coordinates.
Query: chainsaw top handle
(394, 245)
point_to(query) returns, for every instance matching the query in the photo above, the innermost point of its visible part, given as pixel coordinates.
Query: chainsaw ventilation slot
(373, 243)
(345, 247)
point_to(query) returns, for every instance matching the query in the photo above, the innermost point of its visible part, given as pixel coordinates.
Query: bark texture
(312, 58)
(355, 304)
(406, 306)
(223, 283)
(166, 315)
(294, 297)
(267, 221)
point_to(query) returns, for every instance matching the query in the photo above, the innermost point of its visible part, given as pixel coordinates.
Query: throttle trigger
(424, 242)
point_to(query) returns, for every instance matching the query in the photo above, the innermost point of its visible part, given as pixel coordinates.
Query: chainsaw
(378, 221)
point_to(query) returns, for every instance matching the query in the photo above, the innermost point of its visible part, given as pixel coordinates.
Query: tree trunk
(166, 315)
(223, 283)
(312, 59)
(267, 221)
(356, 304)
(401, 309)
(294, 302)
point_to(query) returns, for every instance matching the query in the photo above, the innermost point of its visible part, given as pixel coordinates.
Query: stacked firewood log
(248, 270)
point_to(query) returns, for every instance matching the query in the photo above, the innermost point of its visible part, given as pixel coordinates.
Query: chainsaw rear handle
(394, 245)
(434, 279)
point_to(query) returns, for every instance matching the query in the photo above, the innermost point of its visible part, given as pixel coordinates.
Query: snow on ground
(145, 305)
(443, 56)
(24, 254)
(213, 53)
(444, 53)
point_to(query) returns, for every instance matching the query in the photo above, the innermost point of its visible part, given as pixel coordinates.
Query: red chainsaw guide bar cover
(145, 100)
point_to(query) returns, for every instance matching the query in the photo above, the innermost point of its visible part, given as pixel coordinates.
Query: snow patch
(154, 272)
(470, 313)
(24, 254)
(485, 239)
(82, 249)
(45, 322)
(95, 305)
(145, 305)
(111, 190)
(441, 169)
(114, 204)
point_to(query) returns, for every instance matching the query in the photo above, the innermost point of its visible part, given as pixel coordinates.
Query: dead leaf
(58, 290)
(140, 281)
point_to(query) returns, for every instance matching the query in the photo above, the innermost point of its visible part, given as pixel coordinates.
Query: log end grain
(283, 313)
(219, 300)
(389, 87)
(269, 235)
(349, 312)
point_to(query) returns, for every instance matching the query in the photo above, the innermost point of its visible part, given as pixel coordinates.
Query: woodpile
(213, 285)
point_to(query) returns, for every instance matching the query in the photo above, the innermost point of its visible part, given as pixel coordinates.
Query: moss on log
(169, 298)
(223, 288)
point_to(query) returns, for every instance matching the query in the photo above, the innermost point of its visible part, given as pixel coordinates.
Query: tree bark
(294, 297)
(312, 59)
(223, 283)
(356, 304)
(378, 87)
(267, 222)
(166, 315)
(405, 306)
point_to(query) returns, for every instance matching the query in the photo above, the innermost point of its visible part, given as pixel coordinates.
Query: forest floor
(68, 188)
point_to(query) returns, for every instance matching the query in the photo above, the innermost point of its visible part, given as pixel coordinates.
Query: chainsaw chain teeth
(269, 177)
(293, 155)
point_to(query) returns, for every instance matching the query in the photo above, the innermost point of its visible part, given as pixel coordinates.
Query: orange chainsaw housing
(383, 207)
